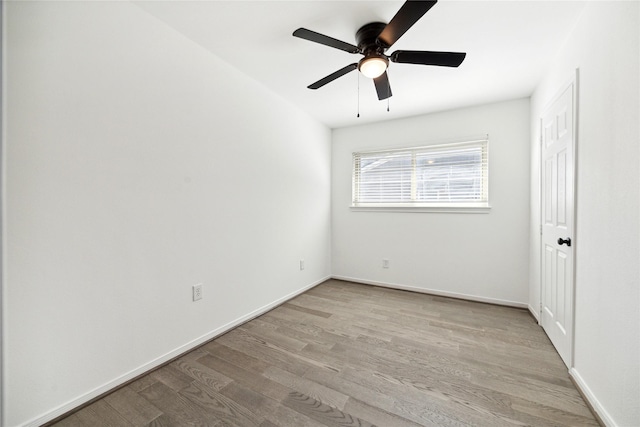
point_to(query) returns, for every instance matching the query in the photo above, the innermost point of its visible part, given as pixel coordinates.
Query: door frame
(573, 81)
(3, 111)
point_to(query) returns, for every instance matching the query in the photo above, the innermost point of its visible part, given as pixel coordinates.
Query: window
(453, 176)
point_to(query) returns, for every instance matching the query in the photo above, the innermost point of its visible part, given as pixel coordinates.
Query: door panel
(548, 191)
(549, 305)
(556, 314)
(561, 285)
(562, 189)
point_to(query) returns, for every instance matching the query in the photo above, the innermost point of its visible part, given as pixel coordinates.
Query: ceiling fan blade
(331, 77)
(382, 86)
(444, 59)
(409, 14)
(303, 33)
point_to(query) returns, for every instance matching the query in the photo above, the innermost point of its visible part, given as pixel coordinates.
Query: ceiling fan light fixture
(373, 66)
(373, 40)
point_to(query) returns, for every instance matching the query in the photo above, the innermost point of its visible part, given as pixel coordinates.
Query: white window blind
(438, 175)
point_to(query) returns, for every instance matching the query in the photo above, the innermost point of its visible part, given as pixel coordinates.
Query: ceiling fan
(374, 39)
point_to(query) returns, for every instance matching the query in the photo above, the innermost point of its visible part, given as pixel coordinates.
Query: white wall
(123, 189)
(605, 46)
(482, 256)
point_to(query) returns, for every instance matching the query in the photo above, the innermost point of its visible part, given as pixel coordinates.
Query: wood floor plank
(296, 330)
(70, 421)
(101, 413)
(309, 388)
(178, 410)
(375, 414)
(271, 335)
(142, 383)
(172, 377)
(271, 410)
(322, 412)
(423, 407)
(133, 407)
(223, 409)
(553, 415)
(161, 421)
(238, 358)
(383, 402)
(263, 350)
(561, 398)
(307, 310)
(201, 373)
(271, 354)
(343, 354)
(246, 378)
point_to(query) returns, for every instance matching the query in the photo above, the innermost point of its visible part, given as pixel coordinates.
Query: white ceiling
(508, 44)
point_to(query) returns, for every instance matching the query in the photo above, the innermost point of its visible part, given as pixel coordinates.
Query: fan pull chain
(389, 89)
(358, 73)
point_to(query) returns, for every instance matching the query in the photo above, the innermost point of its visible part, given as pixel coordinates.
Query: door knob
(566, 241)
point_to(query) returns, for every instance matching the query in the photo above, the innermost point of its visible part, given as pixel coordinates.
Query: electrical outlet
(385, 263)
(197, 292)
(301, 264)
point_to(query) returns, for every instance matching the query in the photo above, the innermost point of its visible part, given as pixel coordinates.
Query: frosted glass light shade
(373, 66)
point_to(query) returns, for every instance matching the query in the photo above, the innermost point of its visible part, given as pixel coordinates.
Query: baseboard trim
(437, 292)
(99, 392)
(533, 313)
(601, 414)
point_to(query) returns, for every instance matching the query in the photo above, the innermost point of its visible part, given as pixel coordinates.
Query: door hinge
(541, 229)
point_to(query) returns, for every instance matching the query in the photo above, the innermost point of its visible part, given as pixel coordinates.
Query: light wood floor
(344, 354)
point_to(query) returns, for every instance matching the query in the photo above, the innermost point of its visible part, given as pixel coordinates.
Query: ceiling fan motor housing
(367, 38)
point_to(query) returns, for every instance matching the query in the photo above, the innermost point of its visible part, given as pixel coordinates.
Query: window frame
(482, 206)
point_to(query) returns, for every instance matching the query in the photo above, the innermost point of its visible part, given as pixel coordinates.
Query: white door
(558, 244)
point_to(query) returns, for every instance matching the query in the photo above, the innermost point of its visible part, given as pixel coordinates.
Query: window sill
(442, 208)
